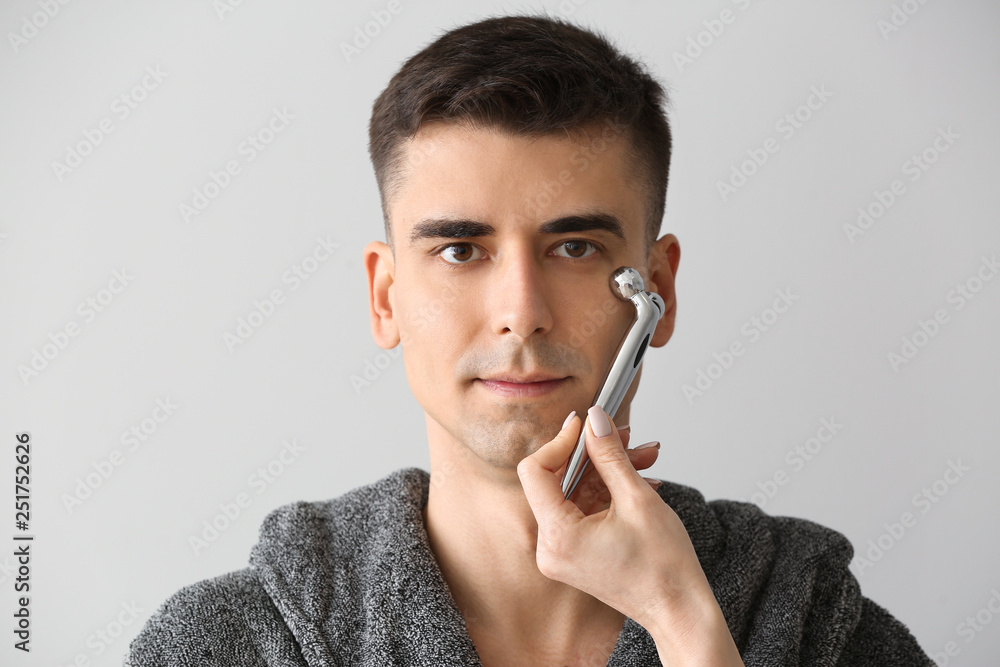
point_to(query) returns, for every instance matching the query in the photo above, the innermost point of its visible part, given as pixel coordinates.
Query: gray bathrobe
(353, 581)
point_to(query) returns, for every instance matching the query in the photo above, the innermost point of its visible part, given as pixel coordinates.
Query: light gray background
(162, 336)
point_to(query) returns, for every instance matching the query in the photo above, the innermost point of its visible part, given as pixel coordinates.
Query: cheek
(599, 324)
(597, 334)
(423, 311)
(434, 334)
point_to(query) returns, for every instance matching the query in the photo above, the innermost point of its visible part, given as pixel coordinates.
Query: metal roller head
(626, 283)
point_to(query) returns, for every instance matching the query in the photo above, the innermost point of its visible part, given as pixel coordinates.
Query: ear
(664, 257)
(381, 268)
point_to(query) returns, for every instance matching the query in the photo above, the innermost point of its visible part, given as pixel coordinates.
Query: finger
(542, 487)
(646, 456)
(607, 454)
(562, 469)
(602, 501)
(553, 455)
(591, 490)
(625, 433)
(591, 484)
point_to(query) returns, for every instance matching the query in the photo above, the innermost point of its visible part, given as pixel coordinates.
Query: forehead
(513, 181)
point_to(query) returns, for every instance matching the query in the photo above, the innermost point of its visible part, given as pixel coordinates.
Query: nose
(519, 302)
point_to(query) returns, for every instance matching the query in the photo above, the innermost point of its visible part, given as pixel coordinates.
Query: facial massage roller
(627, 285)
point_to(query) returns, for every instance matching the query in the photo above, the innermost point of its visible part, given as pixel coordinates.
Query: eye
(575, 246)
(464, 253)
(461, 257)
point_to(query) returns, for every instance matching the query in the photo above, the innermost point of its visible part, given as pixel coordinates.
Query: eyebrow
(451, 228)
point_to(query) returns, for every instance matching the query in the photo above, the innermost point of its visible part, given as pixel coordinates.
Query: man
(520, 161)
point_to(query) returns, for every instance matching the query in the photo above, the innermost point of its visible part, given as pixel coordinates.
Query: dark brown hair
(527, 75)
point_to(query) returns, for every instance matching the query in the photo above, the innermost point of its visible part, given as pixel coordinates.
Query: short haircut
(527, 76)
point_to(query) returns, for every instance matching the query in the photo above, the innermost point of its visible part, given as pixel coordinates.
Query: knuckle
(547, 566)
(611, 455)
(552, 555)
(554, 543)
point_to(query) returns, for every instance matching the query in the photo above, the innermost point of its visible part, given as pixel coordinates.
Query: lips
(523, 387)
(523, 379)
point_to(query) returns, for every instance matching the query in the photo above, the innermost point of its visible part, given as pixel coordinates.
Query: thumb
(608, 456)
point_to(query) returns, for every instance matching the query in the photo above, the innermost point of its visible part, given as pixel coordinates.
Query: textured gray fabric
(353, 581)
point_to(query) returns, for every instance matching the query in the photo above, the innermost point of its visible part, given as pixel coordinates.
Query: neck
(483, 535)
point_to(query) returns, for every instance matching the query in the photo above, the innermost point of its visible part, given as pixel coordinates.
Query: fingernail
(568, 420)
(599, 422)
(647, 445)
(624, 428)
(653, 482)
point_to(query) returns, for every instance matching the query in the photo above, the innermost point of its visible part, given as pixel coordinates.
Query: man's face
(500, 270)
